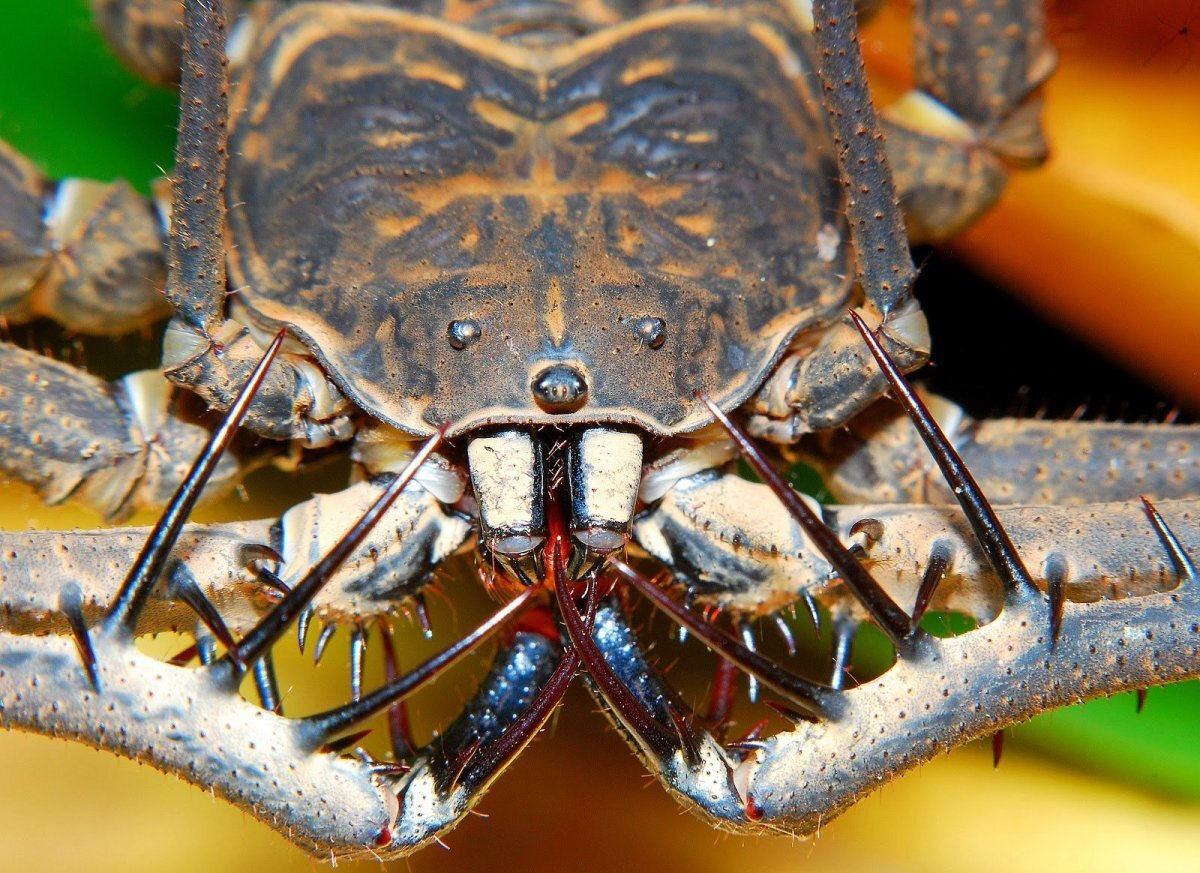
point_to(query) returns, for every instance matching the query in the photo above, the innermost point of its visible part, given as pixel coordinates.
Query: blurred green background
(1094, 782)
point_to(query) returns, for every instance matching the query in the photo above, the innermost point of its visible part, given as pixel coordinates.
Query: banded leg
(879, 458)
(974, 112)
(86, 254)
(114, 447)
(204, 351)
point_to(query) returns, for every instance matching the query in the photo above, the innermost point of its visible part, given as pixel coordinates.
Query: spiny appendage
(1040, 651)
(87, 254)
(1034, 656)
(194, 723)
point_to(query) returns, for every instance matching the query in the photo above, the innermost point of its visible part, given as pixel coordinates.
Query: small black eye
(463, 332)
(649, 331)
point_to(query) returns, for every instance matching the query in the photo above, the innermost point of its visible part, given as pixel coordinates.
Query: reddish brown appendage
(720, 700)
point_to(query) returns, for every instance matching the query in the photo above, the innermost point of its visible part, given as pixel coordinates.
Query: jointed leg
(878, 458)
(114, 447)
(817, 388)
(974, 112)
(145, 34)
(87, 254)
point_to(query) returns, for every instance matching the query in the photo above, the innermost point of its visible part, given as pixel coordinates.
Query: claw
(844, 631)
(267, 685)
(318, 728)
(785, 632)
(327, 633)
(511, 705)
(302, 624)
(274, 623)
(814, 612)
(71, 604)
(254, 554)
(1183, 563)
(1056, 582)
(269, 579)
(940, 557)
(185, 585)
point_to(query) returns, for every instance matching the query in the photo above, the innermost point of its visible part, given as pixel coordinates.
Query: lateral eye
(648, 330)
(463, 332)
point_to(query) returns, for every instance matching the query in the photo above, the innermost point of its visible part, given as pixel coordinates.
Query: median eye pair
(648, 330)
(560, 388)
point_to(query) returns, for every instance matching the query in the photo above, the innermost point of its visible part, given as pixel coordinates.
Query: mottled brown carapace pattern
(392, 173)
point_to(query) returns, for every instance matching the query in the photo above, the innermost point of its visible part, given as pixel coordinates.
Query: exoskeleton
(544, 271)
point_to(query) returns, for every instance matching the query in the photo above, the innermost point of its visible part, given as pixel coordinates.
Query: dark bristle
(687, 736)
(70, 601)
(1183, 564)
(992, 536)
(184, 584)
(794, 716)
(808, 695)
(497, 754)
(661, 741)
(936, 566)
(184, 656)
(890, 617)
(148, 566)
(399, 727)
(343, 743)
(997, 748)
(720, 698)
(1056, 582)
(755, 732)
(1141, 699)
(269, 579)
